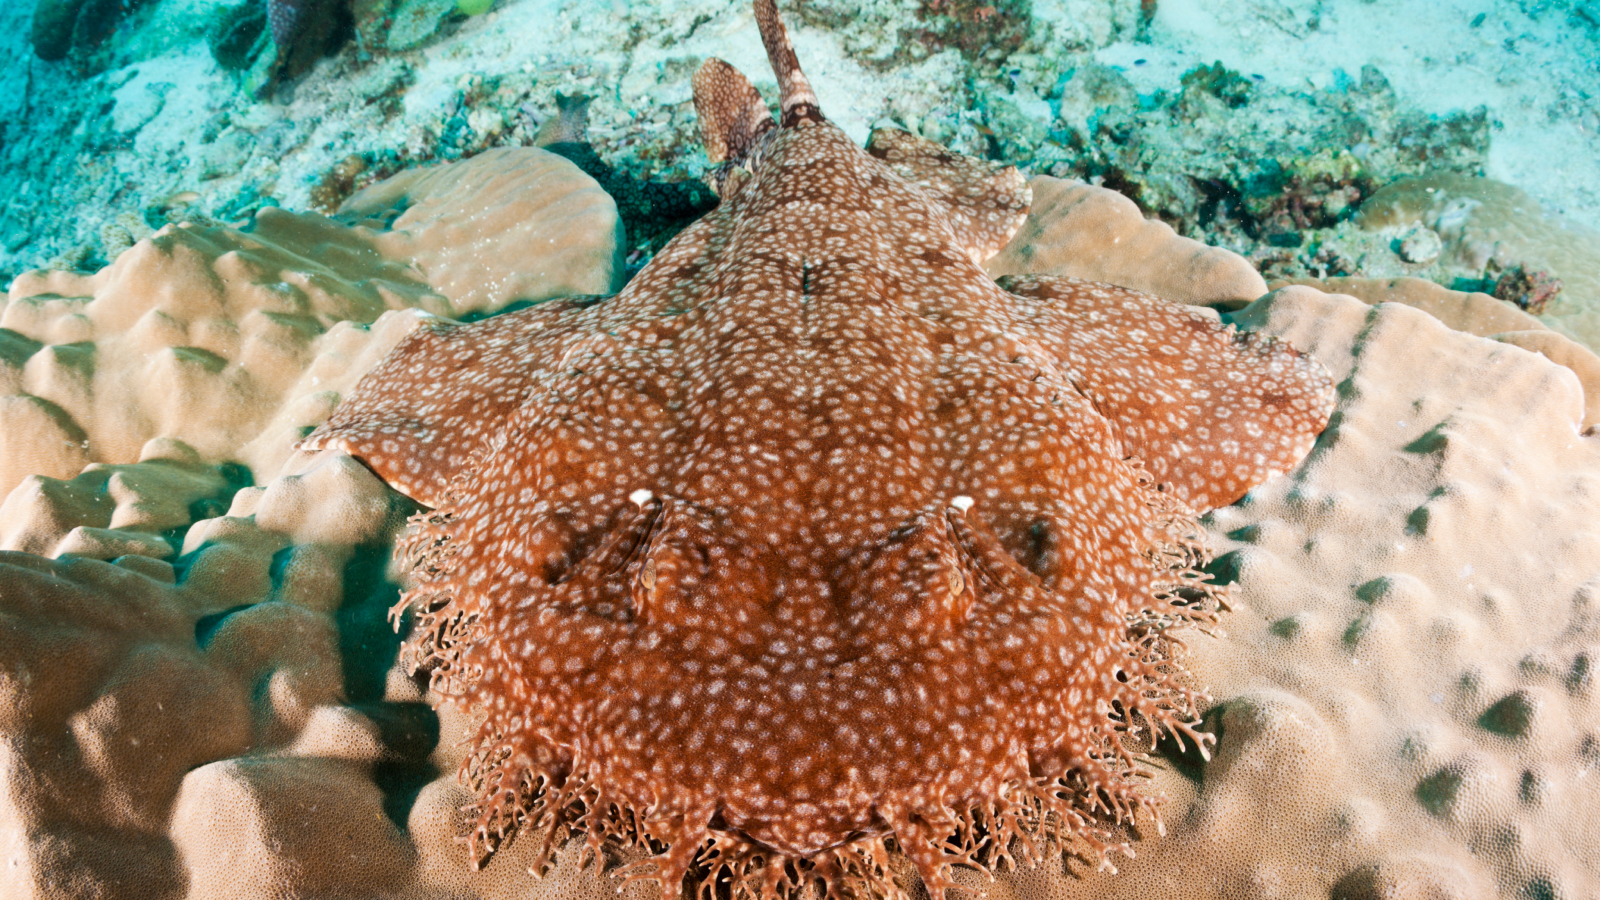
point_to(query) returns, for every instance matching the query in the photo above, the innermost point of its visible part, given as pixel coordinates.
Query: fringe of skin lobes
(560, 795)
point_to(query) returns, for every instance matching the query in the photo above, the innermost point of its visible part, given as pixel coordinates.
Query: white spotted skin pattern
(1149, 366)
(796, 645)
(284, 18)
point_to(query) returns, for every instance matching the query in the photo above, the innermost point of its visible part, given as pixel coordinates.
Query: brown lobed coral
(229, 341)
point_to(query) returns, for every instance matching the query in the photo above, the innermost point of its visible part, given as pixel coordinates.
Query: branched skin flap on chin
(815, 543)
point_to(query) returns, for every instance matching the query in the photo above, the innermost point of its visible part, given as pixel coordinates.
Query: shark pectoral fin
(986, 202)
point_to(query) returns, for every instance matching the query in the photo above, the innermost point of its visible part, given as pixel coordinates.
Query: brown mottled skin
(814, 537)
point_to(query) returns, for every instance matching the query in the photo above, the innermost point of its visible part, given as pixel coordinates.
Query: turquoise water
(183, 110)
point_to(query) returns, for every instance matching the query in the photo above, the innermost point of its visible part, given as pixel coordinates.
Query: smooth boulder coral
(1485, 224)
(234, 342)
(150, 688)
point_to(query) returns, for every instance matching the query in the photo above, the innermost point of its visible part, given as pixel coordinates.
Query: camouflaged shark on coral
(815, 544)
